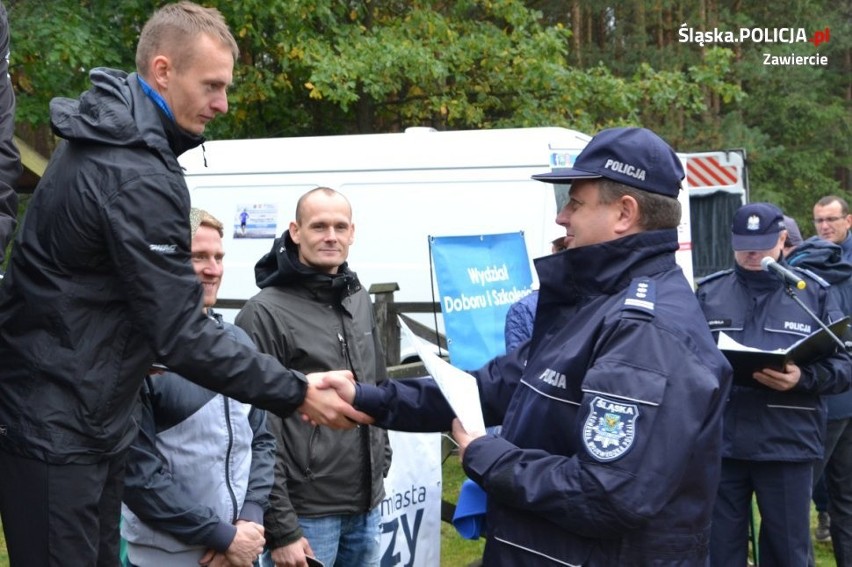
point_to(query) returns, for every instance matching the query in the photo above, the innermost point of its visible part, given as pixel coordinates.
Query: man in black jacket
(10, 159)
(100, 287)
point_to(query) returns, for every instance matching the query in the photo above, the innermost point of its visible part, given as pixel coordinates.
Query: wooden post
(385, 312)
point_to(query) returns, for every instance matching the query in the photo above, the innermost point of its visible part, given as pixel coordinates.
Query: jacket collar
(758, 281)
(822, 257)
(220, 322)
(281, 267)
(605, 268)
(115, 111)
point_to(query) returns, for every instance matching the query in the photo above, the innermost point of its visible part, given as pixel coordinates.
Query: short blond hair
(200, 217)
(172, 29)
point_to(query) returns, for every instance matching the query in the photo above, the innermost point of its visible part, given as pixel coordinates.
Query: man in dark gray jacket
(100, 286)
(312, 314)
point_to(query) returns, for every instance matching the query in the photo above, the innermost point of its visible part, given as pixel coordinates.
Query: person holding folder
(773, 424)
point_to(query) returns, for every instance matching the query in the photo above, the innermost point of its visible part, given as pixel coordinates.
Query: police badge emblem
(610, 429)
(753, 223)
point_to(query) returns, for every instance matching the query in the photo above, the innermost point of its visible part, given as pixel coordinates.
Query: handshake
(329, 399)
(329, 402)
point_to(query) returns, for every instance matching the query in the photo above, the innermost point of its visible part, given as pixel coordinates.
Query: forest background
(324, 67)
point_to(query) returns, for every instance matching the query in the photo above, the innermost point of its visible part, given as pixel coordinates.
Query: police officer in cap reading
(774, 419)
(611, 412)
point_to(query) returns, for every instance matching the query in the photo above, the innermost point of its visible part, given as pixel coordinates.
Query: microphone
(770, 265)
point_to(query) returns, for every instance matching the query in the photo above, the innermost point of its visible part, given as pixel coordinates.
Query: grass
(823, 554)
(459, 552)
(455, 550)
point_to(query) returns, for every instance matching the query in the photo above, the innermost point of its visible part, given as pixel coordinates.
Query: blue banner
(478, 278)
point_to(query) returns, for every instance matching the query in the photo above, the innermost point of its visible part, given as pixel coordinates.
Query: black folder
(817, 345)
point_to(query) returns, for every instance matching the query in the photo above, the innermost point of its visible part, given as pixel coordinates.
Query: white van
(403, 188)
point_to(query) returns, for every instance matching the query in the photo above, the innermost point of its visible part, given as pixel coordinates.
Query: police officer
(774, 420)
(611, 413)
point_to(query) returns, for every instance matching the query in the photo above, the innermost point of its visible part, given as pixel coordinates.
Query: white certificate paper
(458, 387)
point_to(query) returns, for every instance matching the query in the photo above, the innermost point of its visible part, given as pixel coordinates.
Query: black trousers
(61, 514)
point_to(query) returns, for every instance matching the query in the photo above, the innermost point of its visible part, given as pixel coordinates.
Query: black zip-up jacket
(10, 158)
(314, 322)
(100, 286)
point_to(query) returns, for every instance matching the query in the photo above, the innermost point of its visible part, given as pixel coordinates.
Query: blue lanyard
(155, 96)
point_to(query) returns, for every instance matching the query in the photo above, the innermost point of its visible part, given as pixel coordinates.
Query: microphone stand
(843, 346)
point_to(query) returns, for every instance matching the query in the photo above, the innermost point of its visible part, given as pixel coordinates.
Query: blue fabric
(519, 321)
(469, 517)
(341, 540)
(825, 259)
(156, 97)
(846, 245)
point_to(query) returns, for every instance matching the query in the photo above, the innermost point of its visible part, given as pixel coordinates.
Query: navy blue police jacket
(611, 413)
(754, 309)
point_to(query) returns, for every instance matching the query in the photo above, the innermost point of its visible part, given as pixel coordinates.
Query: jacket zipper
(309, 473)
(363, 432)
(227, 410)
(344, 350)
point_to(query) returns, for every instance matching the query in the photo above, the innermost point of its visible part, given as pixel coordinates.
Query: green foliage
(54, 50)
(474, 64)
(317, 67)
(795, 123)
(324, 67)
(455, 550)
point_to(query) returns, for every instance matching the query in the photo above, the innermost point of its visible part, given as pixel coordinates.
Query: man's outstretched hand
(323, 404)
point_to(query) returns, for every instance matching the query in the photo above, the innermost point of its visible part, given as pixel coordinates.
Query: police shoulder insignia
(610, 429)
(640, 297)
